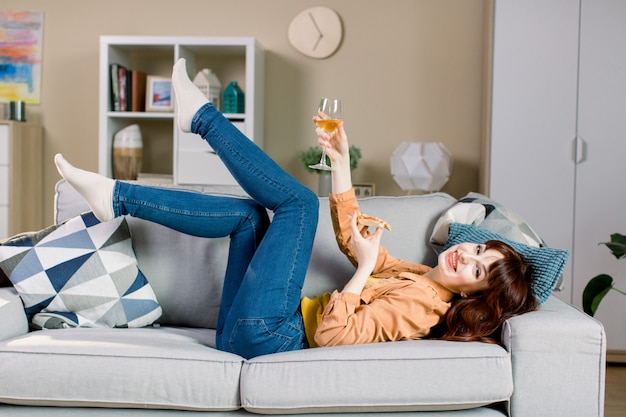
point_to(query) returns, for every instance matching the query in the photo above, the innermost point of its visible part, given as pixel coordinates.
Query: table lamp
(423, 166)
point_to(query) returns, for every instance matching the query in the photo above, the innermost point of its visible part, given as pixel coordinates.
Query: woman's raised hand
(336, 144)
(337, 149)
(365, 247)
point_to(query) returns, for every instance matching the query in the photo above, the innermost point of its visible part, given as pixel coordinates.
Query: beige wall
(408, 70)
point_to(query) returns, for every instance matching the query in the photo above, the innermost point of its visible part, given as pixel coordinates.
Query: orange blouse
(397, 303)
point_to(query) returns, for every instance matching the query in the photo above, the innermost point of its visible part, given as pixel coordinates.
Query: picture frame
(159, 94)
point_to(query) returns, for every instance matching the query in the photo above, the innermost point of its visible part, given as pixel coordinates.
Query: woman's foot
(95, 188)
(189, 98)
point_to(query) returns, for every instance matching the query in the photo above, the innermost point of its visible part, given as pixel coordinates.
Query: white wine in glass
(329, 113)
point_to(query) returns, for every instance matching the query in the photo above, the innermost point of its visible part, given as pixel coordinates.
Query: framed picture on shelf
(159, 94)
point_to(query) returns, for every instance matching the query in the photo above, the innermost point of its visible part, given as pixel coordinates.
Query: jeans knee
(255, 337)
(257, 215)
(311, 201)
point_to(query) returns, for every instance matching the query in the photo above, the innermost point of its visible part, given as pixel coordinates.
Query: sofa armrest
(558, 355)
(13, 320)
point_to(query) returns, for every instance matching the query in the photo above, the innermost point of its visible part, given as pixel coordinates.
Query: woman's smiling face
(463, 268)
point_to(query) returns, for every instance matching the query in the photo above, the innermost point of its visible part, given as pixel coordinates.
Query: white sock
(189, 98)
(95, 188)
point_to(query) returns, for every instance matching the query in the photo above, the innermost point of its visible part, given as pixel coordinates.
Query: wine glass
(329, 114)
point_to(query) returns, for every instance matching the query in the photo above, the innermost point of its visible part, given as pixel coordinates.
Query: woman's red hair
(479, 316)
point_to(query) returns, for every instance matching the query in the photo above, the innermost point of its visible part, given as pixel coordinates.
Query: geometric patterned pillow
(487, 214)
(504, 221)
(80, 273)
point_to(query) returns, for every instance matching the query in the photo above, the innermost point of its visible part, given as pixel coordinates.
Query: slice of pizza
(372, 221)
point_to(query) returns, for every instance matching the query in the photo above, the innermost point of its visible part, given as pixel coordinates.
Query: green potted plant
(599, 286)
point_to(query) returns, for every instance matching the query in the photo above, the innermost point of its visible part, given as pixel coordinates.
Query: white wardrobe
(558, 135)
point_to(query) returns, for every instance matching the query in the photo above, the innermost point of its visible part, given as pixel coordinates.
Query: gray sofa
(551, 362)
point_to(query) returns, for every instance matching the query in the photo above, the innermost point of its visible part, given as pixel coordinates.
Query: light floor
(615, 397)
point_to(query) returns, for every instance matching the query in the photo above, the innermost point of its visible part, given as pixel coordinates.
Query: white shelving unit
(167, 150)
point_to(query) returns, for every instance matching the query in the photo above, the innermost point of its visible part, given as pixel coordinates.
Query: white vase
(127, 153)
(324, 184)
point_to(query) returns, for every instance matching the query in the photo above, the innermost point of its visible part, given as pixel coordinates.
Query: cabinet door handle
(579, 150)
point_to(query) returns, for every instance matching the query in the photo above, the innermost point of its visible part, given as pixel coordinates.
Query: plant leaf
(595, 291)
(617, 245)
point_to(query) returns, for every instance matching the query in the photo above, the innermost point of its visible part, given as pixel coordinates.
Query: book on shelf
(128, 89)
(138, 91)
(123, 88)
(115, 87)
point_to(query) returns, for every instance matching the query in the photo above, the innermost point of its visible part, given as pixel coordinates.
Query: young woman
(466, 297)
(260, 305)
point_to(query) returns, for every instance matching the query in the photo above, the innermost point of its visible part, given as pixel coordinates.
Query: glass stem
(323, 158)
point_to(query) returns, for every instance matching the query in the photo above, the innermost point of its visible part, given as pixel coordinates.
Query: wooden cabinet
(558, 134)
(167, 150)
(21, 182)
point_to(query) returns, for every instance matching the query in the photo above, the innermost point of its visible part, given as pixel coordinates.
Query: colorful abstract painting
(21, 44)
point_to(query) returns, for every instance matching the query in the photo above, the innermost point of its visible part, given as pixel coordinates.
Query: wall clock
(316, 32)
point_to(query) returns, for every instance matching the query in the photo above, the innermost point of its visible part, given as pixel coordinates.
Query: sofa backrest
(186, 272)
(412, 219)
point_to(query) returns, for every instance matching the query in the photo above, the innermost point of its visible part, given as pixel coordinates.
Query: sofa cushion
(420, 375)
(412, 219)
(80, 273)
(12, 317)
(188, 287)
(126, 368)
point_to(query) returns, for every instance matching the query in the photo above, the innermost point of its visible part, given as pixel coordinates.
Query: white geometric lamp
(424, 166)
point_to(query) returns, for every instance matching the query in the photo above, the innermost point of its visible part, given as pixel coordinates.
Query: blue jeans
(267, 261)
